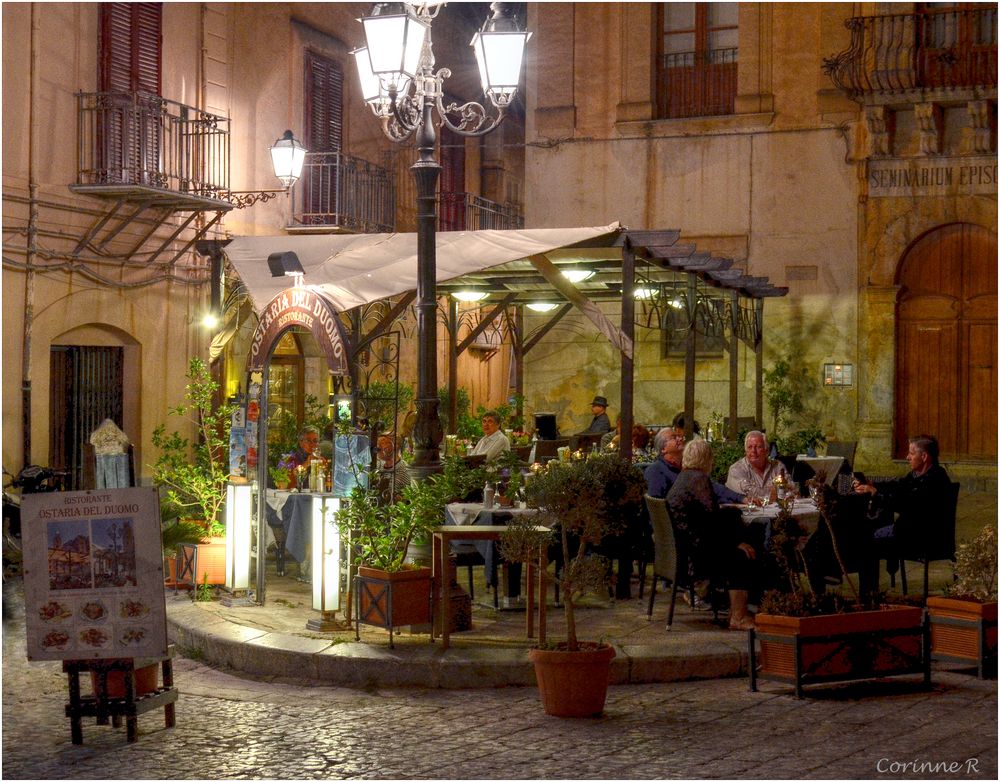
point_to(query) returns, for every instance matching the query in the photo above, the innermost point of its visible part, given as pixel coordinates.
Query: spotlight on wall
(286, 264)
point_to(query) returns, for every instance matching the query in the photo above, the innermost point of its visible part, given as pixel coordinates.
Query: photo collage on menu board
(93, 574)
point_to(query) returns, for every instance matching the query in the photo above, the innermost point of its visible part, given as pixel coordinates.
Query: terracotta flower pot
(963, 630)
(573, 684)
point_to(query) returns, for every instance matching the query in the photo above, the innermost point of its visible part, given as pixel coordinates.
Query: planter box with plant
(194, 475)
(588, 499)
(964, 622)
(388, 592)
(808, 638)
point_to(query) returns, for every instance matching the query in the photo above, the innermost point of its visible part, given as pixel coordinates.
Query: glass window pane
(679, 16)
(723, 39)
(681, 42)
(723, 14)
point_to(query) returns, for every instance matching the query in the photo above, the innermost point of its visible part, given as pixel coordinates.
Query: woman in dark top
(713, 539)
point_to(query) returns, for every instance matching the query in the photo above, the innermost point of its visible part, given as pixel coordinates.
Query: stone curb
(214, 640)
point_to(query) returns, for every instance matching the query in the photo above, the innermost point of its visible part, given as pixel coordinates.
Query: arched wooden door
(946, 343)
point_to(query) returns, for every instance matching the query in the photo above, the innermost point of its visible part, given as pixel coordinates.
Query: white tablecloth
(804, 511)
(830, 464)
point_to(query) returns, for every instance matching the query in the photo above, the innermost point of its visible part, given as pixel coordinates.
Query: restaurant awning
(356, 269)
(359, 268)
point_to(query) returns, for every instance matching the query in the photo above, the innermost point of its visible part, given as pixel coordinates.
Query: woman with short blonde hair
(713, 540)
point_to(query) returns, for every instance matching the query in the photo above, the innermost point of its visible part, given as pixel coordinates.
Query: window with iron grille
(696, 59)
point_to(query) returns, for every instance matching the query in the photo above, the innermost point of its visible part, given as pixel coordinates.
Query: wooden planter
(573, 684)
(391, 600)
(199, 559)
(840, 647)
(963, 631)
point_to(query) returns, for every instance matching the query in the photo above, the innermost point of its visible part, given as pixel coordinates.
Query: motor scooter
(33, 479)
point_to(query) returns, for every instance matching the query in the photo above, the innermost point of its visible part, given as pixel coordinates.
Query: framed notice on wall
(93, 574)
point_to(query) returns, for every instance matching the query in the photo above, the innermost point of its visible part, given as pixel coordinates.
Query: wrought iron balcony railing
(950, 49)
(469, 212)
(342, 191)
(140, 139)
(697, 84)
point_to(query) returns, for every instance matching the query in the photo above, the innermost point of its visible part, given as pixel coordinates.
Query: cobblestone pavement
(240, 727)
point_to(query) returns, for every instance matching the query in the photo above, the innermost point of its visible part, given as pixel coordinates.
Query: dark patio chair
(936, 540)
(669, 563)
(845, 448)
(549, 449)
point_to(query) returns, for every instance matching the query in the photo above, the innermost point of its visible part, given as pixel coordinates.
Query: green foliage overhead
(381, 402)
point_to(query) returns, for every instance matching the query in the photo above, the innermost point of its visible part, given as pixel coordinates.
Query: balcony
(937, 51)
(139, 147)
(469, 212)
(697, 84)
(338, 191)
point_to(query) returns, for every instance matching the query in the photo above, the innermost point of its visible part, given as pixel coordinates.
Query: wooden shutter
(131, 42)
(324, 122)
(324, 104)
(129, 135)
(452, 190)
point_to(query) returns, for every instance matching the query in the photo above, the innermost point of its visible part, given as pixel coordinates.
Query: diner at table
(756, 471)
(494, 442)
(661, 474)
(715, 543)
(600, 423)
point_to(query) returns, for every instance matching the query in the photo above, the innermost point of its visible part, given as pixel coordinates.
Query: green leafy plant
(381, 401)
(195, 474)
(801, 440)
(785, 383)
(283, 432)
(175, 532)
(467, 426)
(589, 498)
(976, 566)
(205, 591)
(724, 454)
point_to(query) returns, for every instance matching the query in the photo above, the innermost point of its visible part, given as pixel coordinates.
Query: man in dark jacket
(917, 499)
(600, 423)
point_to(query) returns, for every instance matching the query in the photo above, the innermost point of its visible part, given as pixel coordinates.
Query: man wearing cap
(600, 423)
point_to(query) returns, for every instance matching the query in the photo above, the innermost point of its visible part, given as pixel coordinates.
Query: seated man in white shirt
(755, 470)
(493, 442)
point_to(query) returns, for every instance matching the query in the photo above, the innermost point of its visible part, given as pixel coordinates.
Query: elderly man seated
(493, 442)
(755, 471)
(661, 474)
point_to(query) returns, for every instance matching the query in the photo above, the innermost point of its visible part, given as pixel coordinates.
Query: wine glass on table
(749, 495)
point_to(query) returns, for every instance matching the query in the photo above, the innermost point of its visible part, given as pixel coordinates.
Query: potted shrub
(589, 499)
(964, 623)
(175, 533)
(281, 473)
(389, 592)
(808, 638)
(194, 475)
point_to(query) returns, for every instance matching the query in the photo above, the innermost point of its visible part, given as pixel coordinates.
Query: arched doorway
(946, 342)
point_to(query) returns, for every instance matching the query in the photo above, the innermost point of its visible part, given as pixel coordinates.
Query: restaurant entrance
(946, 342)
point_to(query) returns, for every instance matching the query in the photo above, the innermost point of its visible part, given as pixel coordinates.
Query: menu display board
(93, 574)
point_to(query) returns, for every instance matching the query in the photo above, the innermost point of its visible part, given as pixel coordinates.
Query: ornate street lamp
(287, 158)
(398, 82)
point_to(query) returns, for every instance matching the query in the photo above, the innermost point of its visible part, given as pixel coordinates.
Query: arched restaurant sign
(305, 307)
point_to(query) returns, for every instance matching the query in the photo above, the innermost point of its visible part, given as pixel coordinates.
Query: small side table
(130, 706)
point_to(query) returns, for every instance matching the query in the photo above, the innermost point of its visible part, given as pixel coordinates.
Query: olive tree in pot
(585, 500)
(193, 475)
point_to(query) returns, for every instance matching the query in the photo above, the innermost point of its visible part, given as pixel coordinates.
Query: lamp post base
(326, 622)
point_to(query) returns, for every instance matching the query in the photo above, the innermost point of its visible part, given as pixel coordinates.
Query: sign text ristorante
(303, 307)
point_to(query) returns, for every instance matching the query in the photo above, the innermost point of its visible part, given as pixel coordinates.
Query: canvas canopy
(356, 269)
